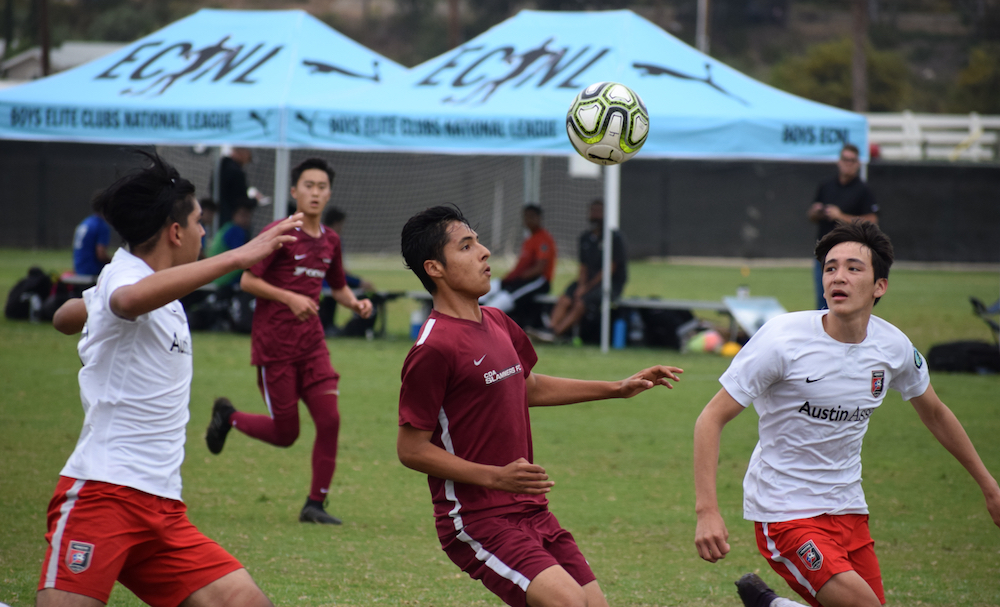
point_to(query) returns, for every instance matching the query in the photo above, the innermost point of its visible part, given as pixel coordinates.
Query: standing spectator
(287, 342)
(583, 297)
(90, 246)
(840, 199)
(233, 184)
(117, 512)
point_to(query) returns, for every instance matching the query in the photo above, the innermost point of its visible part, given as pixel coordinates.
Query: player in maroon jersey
(287, 340)
(463, 420)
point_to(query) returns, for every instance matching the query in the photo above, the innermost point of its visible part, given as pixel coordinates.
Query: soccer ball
(607, 123)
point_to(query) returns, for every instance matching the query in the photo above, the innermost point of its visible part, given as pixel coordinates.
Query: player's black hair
(868, 235)
(312, 163)
(140, 204)
(531, 206)
(333, 215)
(850, 147)
(425, 236)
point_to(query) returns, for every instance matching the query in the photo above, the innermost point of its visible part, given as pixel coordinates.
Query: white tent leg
(612, 194)
(282, 168)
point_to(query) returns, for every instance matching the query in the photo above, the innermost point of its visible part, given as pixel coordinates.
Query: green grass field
(622, 468)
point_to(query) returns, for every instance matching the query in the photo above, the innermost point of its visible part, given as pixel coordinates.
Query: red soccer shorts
(506, 552)
(100, 532)
(808, 552)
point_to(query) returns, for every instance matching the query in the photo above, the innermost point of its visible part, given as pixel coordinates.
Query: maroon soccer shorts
(506, 552)
(808, 552)
(284, 384)
(100, 532)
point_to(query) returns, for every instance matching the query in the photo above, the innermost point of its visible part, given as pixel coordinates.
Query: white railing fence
(909, 136)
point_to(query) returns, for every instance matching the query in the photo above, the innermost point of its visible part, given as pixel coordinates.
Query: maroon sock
(323, 408)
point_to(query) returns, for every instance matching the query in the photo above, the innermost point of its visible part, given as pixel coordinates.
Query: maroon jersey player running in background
(463, 421)
(287, 340)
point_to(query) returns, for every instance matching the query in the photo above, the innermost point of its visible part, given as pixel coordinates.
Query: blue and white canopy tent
(282, 79)
(507, 91)
(217, 77)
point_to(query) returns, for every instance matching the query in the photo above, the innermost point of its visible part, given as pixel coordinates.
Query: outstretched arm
(416, 452)
(546, 390)
(711, 536)
(946, 428)
(163, 287)
(70, 317)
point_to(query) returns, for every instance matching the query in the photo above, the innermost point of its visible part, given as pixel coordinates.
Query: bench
(747, 313)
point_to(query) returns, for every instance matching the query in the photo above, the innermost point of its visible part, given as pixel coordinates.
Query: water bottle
(618, 334)
(637, 328)
(416, 321)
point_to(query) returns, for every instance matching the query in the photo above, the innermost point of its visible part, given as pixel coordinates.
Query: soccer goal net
(379, 191)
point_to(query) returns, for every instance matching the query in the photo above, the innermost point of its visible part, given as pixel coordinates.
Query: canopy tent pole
(282, 166)
(612, 193)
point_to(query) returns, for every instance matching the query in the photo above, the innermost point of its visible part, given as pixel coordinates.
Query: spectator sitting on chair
(207, 221)
(584, 294)
(233, 235)
(90, 246)
(531, 276)
(334, 219)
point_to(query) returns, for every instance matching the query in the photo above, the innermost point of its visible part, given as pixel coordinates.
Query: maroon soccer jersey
(300, 266)
(465, 381)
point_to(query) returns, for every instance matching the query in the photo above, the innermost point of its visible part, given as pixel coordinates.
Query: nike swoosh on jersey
(479, 362)
(302, 256)
(809, 381)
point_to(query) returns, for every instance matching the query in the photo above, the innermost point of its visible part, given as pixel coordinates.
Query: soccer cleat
(754, 592)
(313, 512)
(219, 426)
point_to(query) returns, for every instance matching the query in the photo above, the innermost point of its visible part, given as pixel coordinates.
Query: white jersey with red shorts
(464, 381)
(135, 385)
(814, 396)
(118, 498)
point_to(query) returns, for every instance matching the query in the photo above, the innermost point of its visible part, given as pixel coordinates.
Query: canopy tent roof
(215, 77)
(507, 92)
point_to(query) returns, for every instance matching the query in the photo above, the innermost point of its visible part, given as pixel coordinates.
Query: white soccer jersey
(814, 396)
(135, 386)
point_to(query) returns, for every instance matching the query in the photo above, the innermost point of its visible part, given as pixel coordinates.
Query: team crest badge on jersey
(878, 383)
(78, 556)
(811, 557)
(917, 359)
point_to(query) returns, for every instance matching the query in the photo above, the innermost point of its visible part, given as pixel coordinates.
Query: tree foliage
(977, 88)
(823, 74)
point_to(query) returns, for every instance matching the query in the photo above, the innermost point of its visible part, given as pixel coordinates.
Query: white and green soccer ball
(607, 123)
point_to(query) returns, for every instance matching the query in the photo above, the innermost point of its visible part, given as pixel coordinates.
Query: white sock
(783, 602)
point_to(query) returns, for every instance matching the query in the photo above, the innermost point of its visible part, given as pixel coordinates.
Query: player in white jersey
(815, 378)
(116, 513)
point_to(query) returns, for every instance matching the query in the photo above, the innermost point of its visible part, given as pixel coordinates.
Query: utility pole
(859, 60)
(43, 39)
(8, 28)
(454, 29)
(702, 27)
